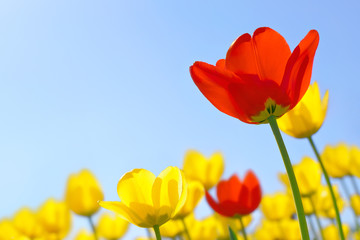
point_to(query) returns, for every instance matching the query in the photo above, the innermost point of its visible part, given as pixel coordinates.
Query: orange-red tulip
(236, 197)
(259, 77)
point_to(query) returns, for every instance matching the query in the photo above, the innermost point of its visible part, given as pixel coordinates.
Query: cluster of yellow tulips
(166, 203)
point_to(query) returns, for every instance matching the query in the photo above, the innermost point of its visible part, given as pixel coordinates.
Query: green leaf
(232, 234)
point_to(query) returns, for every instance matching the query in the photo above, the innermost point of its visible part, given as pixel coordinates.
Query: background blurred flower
(223, 224)
(354, 161)
(195, 192)
(172, 228)
(55, 217)
(83, 193)
(324, 202)
(84, 235)
(277, 206)
(355, 204)
(308, 176)
(7, 230)
(330, 232)
(207, 171)
(111, 226)
(307, 117)
(147, 200)
(236, 198)
(259, 77)
(27, 222)
(336, 160)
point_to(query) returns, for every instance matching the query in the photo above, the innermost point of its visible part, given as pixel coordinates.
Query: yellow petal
(135, 215)
(169, 191)
(136, 186)
(195, 192)
(307, 117)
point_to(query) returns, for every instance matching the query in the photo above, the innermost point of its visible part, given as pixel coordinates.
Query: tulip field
(179, 120)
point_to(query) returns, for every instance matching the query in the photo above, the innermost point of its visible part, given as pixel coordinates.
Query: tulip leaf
(232, 234)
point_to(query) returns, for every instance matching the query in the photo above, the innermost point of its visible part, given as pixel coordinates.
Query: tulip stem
(353, 181)
(186, 229)
(337, 213)
(348, 196)
(291, 175)
(93, 227)
(242, 227)
(157, 232)
(316, 217)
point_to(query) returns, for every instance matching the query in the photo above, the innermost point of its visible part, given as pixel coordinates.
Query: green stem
(317, 218)
(93, 227)
(157, 232)
(353, 181)
(292, 179)
(348, 196)
(242, 228)
(337, 213)
(186, 229)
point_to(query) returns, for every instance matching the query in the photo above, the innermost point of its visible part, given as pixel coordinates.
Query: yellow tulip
(27, 222)
(277, 206)
(330, 232)
(355, 204)
(275, 230)
(336, 160)
(308, 176)
(306, 118)
(172, 228)
(83, 193)
(324, 202)
(202, 229)
(7, 230)
(147, 200)
(195, 191)
(223, 224)
(207, 171)
(111, 226)
(354, 161)
(55, 217)
(84, 235)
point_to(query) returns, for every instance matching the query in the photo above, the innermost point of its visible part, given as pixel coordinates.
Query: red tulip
(236, 197)
(259, 77)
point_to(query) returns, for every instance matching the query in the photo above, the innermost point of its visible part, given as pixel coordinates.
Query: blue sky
(105, 85)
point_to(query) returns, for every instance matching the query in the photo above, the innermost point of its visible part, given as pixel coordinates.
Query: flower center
(271, 109)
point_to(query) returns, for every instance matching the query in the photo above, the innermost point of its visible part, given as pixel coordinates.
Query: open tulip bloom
(149, 201)
(259, 80)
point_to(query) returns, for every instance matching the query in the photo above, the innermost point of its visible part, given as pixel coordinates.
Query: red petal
(265, 55)
(214, 205)
(229, 190)
(299, 67)
(214, 82)
(252, 183)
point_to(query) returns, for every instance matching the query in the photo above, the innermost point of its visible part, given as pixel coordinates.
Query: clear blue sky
(105, 85)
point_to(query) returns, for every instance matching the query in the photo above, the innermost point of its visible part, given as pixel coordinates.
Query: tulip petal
(229, 190)
(168, 190)
(213, 82)
(265, 55)
(136, 186)
(251, 182)
(298, 69)
(126, 213)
